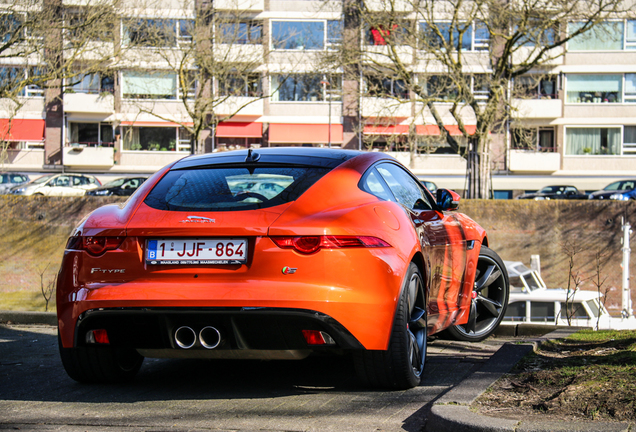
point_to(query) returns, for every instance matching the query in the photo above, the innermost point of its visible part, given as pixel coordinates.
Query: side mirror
(447, 200)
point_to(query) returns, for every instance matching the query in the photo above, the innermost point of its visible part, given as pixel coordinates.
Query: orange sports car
(277, 253)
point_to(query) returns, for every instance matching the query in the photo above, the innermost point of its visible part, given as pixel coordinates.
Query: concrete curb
(451, 412)
(24, 317)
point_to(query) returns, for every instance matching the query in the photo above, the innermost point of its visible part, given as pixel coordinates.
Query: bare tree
(575, 280)
(47, 288)
(457, 60)
(212, 57)
(47, 45)
(599, 281)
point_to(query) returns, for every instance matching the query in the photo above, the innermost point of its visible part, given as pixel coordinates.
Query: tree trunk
(478, 175)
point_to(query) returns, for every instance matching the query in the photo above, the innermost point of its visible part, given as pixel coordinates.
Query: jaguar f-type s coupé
(276, 253)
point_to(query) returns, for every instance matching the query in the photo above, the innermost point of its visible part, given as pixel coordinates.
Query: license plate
(196, 251)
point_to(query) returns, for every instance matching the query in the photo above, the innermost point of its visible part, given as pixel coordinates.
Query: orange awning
(304, 133)
(239, 130)
(386, 130)
(22, 130)
(434, 130)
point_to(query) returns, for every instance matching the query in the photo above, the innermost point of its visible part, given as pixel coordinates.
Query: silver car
(58, 185)
(9, 180)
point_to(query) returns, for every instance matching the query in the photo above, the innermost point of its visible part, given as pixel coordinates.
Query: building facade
(576, 123)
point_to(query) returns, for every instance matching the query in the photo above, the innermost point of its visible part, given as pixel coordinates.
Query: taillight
(317, 337)
(311, 244)
(95, 245)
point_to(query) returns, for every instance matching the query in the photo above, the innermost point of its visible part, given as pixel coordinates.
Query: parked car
(121, 187)
(352, 256)
(532, 302)
(555, 192)
(622, 190)
(261, 186)
(9, 180)
(429, 185)
(58, 185)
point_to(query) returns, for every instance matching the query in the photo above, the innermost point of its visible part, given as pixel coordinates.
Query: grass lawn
(589, 376)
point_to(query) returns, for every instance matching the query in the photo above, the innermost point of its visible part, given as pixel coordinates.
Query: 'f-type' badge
(289, 270)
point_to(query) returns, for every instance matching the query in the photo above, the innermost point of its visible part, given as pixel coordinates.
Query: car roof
(323, 157)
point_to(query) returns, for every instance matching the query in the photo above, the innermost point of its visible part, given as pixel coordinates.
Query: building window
(480, 85)
(149, 85)
(630, 88)
(538, 140)
(630, 37)
(91, 83)
(223, 143)
(440, 87)
(91, 134)
(536, 87)
(534, 34)
(185, 140)
(306, 35)
(14, 81)
(386, 87)
(156, 32)
(591, 88)
(11, 27)
(305, 87)
(606, 36)
(444, 35)
(155, 138)
(89, 24)
(241, 33)
(381, 34)
(335, 29)
(248, 85)
(593, 141)
(629, 140)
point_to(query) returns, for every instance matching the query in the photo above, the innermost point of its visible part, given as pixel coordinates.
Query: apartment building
(575, 124)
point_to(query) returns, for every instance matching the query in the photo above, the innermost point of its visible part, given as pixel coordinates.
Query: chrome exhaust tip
(209, 337)
(185, 337)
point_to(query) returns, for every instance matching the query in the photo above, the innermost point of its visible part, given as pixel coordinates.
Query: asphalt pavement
(317, 394)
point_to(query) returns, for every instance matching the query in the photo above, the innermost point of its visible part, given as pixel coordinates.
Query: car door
(57, 186)
(441, 239)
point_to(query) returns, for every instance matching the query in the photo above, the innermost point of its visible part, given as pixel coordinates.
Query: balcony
(89, 103)
(89, 156)
(251, 54)
(239, 5)
(385, 107)
(537, 108)
(534, 162)
(239, 105)
(388, 5)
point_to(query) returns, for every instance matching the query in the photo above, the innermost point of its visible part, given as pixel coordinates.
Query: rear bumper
(244, 332)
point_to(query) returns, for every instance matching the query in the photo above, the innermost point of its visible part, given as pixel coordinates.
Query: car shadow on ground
(30, 369)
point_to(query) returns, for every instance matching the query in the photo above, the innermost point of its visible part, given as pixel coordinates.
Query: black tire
(401, 366)
(100, 364)
(490, 299)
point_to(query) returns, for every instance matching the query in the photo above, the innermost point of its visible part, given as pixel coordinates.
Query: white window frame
(334, 95)
(606, 126)
(483, 46)
(622, 92)
(627, 45)
(181, 146)
(180, 40)
(67, 129)
(326, 45)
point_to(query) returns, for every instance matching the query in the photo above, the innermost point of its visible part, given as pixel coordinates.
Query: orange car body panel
(358, 287)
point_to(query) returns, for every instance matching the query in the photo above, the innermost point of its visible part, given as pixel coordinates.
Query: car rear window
(231, 189)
